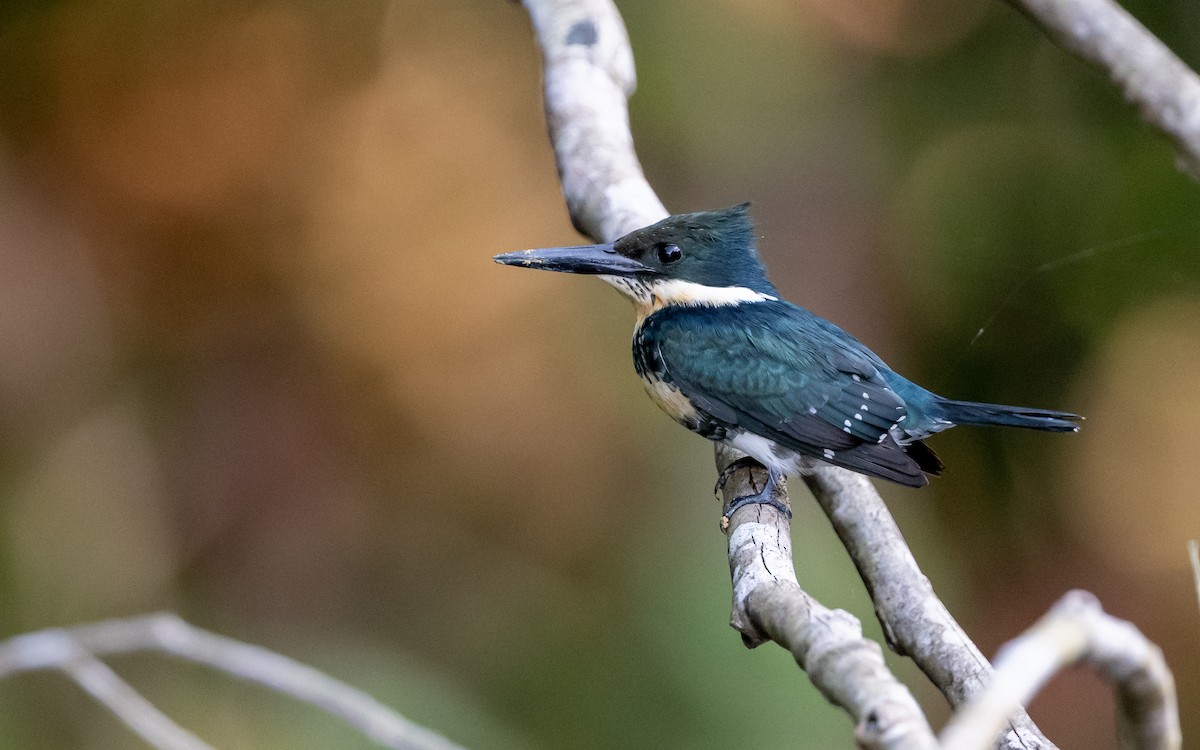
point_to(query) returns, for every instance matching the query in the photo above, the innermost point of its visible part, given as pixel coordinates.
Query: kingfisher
(719, 350)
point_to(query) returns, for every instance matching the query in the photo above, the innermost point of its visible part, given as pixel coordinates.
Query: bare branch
(1077, 630)
(588, 72)
(72, 650)
(57, 649)
(915, 622)
(768, 604)
(1150, 76)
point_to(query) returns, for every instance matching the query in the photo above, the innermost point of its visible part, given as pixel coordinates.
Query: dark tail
(967, 412)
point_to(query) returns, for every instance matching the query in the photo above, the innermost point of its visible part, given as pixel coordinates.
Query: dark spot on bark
(583, 32)
(871, 725)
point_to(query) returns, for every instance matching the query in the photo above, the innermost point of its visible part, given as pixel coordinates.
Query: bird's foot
(765, 496)
(758, 499)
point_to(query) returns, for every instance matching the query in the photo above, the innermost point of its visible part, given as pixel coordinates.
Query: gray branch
(74, 651)
(1077, 630)
(915, 622)
(588, 77)
(58, 649)
(1150, 76)
(768, 604)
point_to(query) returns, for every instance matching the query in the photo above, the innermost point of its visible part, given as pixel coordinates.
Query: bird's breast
(657, 380)
(653, 373)
(672, 401)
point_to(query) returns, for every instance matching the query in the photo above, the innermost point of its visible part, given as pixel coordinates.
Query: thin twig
(58, 649)
(1077, 630)
(166, 633)
(1150, 76)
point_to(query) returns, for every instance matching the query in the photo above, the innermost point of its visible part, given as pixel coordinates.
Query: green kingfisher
(721, 352)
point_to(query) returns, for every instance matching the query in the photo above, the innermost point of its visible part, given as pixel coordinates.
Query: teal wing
(773, 369)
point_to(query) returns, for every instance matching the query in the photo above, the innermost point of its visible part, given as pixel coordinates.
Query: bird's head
(709, 249)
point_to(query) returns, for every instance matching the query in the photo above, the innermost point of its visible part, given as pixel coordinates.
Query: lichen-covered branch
(768, 604)
(73, 650)
(1077, 630)
(1150, 76)
(588, 77)
(915, 622)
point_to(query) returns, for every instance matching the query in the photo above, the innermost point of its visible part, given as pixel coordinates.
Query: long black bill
(603, 259)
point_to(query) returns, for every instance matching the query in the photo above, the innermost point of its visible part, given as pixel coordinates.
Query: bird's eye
(668, 253)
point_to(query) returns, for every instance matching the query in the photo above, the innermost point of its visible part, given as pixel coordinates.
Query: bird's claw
(728, 471)
(742, 502)
(764, 497)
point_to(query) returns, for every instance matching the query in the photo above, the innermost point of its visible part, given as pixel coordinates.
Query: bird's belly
(769, 453)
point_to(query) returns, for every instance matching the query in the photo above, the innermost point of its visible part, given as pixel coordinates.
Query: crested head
(709, 248)
(705, 258)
